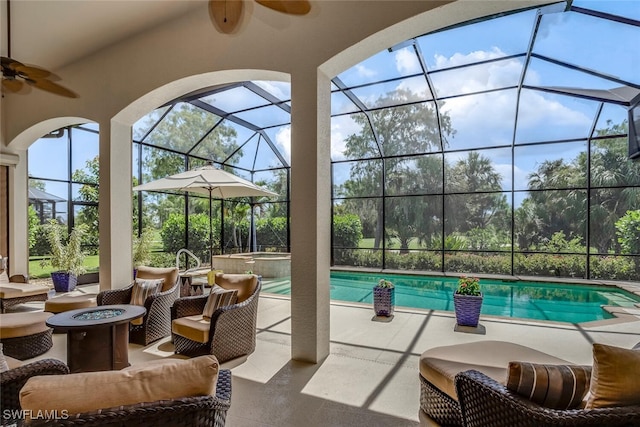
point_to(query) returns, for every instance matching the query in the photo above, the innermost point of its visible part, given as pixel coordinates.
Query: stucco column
(115, 205)
(18, 215)
(310, 214)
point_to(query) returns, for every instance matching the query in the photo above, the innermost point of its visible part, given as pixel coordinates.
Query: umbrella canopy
(210, 181)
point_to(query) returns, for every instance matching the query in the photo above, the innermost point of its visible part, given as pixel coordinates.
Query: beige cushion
(90, 391)
(170, 275)
(14, 325)
(552, 386)
(15, 290)
(440, 365)
(195, 328)
(143, 288)
(245, 283)
(4, 366)
(69, 302)
(219, 297)
(615, 380)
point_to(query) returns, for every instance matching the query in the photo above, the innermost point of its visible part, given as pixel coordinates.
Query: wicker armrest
(115, 296)
(485, 402)
(161, 301)
(13, 380)
(188, 306)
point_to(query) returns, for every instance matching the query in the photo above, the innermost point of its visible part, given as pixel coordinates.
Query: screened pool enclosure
(496, 146)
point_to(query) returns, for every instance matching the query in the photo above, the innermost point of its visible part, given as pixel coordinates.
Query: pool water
(529, 300)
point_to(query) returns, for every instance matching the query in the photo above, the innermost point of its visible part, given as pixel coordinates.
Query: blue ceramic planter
(63, 281)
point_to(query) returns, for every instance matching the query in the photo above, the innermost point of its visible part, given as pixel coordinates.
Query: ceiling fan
(226, 14)
(15, 74)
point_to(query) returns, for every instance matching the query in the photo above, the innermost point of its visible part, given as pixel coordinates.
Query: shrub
(347, 231)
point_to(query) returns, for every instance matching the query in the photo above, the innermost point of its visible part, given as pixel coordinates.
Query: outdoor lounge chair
(17, 290)
(231, 330)
(156, 323)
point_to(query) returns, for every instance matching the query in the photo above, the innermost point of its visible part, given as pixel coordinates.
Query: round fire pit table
(97, 337)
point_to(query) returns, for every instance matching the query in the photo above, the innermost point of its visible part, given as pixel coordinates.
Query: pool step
(615, 310)
(614, 298)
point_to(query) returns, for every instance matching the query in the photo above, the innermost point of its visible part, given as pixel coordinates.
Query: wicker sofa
(188, 411)
(484, 402)
(466, 385)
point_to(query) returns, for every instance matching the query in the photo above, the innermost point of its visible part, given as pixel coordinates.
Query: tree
(88, 193)
(484, 204)
(628, 231)
(392, 132)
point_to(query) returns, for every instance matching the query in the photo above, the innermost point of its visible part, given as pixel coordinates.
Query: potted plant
(467, 301)
(384, 298)
(142, 249)
(67, 257)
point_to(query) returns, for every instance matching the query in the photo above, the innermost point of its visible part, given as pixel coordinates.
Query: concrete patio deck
(371, 374)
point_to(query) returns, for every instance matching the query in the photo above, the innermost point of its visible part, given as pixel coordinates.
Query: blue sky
(484, 120)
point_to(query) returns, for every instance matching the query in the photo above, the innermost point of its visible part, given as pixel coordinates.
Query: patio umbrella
(210, 181)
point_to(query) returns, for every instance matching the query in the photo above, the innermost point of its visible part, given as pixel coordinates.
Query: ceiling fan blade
(31, 72)
(52, 87)
(291, 7)
(226, 14)
(12, 85)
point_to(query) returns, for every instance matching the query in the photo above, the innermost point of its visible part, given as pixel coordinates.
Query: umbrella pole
(210, 230)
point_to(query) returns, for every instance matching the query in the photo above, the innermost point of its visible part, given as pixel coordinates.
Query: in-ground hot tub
(265, 264)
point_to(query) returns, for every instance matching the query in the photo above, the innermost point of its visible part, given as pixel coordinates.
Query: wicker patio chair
(13, 380)
(156, 323)
(231, 329)
(485, 402)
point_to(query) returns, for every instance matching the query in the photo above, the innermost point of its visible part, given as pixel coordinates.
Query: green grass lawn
(38, 272)
(367, 243)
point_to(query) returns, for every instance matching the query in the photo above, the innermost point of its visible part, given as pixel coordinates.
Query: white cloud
(341, 128)
(471, 57)
(283, 140)
(407, 62)
(281, 90)
(364, 71)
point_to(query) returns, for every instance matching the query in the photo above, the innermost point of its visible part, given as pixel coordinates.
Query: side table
(97, 337)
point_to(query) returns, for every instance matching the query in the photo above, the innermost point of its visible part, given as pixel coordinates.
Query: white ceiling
(54, 33)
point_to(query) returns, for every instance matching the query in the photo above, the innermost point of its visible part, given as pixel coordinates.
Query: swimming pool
(529, 300)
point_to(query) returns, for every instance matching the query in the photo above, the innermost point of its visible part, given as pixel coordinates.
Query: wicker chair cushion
(143, 288)
(4, 366)
(553, 386)
(219, 297)
(615, 380)
(170, 275)
(13, 325)
(17, 290)
(245, 283)
(90, 391)
(440, 365)
(196, 328)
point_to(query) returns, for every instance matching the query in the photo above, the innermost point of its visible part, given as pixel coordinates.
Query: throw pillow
(552, 386)
(219, 297)
(3, 361)
(142, 288)
(616, 377)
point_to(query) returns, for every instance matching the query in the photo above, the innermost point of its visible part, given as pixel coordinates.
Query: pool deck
(371, 374)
